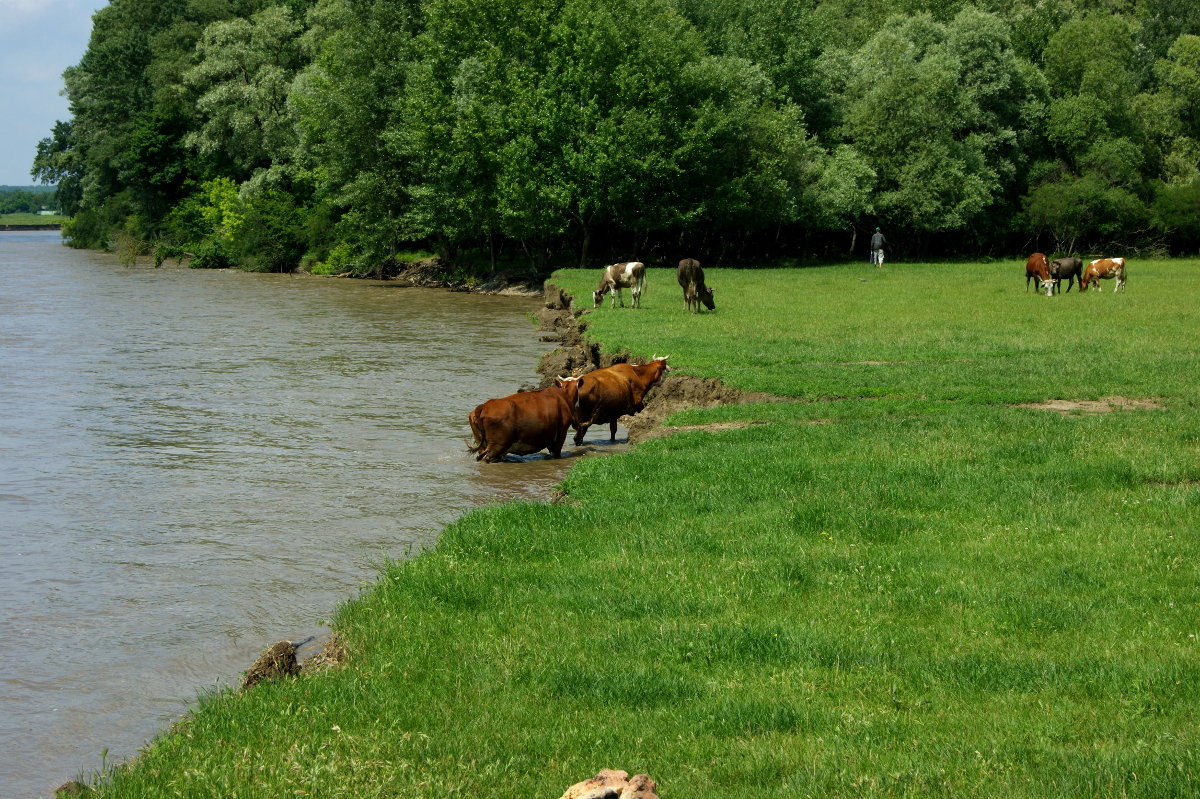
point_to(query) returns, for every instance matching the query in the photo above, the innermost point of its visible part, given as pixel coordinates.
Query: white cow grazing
(630, 274)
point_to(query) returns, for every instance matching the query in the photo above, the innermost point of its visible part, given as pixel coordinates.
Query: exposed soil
(575, 356)
(1102, 405)
(433, 273)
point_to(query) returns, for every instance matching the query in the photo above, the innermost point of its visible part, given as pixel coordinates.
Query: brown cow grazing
(1104, 269)
(1068, 269)
(691, 277)
(613, 392)
(630, 275)
(1038, 268)
(527, 422)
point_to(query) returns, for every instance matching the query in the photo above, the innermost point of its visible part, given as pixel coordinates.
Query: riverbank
(900, 582)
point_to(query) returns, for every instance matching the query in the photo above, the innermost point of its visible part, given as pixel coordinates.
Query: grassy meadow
(31, 219)
(898, 584)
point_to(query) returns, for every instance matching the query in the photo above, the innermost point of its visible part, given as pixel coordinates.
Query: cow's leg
(612, 430)
(580, 431)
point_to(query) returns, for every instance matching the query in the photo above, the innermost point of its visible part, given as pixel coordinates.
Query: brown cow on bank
(613, 392)
(691, 277)
(1104, 269)
(1038, 268)
(526, 422)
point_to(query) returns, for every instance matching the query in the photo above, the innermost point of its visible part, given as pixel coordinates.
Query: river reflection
(196, 464)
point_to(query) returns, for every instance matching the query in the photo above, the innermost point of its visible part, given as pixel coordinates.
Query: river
(195, 464)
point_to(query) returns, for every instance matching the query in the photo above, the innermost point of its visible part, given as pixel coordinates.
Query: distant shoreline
(57, 226)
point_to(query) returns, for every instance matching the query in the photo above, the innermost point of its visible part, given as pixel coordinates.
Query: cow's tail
(480, 439)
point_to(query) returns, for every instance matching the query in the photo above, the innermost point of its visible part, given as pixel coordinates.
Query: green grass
(900, 585)
(31, 219)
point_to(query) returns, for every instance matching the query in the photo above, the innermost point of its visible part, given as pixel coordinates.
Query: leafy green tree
(935, 110)
(346, 101)
(244, 72)
(1176, 213)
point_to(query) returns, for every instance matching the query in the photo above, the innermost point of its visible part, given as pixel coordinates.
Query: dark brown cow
(613, 392)
(1069, 269)
(1104, 269)
(1038, 268)
(691, 277)
(527, 422)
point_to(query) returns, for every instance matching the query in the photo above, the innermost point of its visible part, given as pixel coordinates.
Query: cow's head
(1047, 286)
(706, 297)
(598, 296)
(570, 387)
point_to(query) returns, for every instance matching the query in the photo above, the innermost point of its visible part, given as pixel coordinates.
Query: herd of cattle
(1048, 275)
(530, 421)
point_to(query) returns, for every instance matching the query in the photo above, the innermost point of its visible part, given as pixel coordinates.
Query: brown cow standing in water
(613, 392)
(1038, 268)
(691, 277)
(526, 422)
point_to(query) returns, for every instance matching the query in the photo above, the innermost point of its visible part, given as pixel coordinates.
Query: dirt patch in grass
(1102, 405)
(682, 392)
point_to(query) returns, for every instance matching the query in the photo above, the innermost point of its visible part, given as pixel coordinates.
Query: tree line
(27, 199)
(335, 134)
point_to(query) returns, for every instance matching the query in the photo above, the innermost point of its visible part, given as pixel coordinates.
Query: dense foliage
(275, 133)
(27, 199)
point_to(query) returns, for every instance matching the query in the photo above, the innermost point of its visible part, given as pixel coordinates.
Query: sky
(38, 40)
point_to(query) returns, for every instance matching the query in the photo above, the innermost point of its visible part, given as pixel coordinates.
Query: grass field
(31, 219)
(899, 585)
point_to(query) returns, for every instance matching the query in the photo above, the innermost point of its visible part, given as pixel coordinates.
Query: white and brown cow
(1104, 269)
(630, 275)
(1037, 269)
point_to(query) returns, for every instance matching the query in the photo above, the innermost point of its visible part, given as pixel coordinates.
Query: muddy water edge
(196, 464)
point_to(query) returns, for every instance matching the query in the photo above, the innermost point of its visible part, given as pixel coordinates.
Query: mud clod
(613, 784)
(278, 661)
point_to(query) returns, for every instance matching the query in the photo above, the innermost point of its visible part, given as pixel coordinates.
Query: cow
(613, 392)
(1104, 269)
(1038, 268)
(691, 277)
(1069, 269)
(526, 422)
(630, 275)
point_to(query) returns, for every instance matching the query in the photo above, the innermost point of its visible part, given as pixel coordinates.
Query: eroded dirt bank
(575, 356)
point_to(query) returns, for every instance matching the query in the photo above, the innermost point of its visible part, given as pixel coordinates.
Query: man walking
(878, 242)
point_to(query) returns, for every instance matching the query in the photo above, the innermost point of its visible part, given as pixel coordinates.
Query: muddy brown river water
(196, 464)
